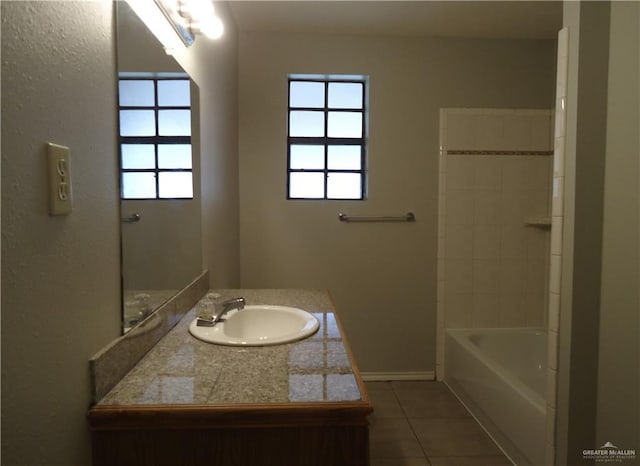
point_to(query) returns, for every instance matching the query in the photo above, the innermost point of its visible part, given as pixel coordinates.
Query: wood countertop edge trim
(345, 342)
(239, 408)
(228, 416)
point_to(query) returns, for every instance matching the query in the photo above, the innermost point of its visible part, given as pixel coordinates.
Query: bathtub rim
(461, 335)
(508, 448)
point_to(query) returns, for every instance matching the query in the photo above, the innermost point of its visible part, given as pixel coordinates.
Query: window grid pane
(345, 125)
(346, 95)
(306, 185)
(175, 185)
(326, 140)
(344, 157)
(343, 185)
(306, 157)
(174, 93)
(138, 156)
(155, 138)
(176, 156)
(306, 94)
(137, 123)
(174, 122)
(136, 93)
(306, 123)
(138, 185)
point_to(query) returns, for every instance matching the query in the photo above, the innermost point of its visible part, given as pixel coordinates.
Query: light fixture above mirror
(176, 22)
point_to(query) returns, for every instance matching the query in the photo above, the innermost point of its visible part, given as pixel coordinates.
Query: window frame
(155, 140)
(325, 140)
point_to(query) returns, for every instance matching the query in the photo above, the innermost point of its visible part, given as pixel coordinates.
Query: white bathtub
(500, 375)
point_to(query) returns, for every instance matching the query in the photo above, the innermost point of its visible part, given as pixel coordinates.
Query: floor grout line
(406, 417)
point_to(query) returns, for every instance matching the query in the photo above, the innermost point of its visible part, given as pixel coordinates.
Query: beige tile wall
(495, 176)
(557, 220)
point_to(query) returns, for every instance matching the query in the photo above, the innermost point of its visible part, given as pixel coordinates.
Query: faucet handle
(234, 303)
(205, 322)
(205, 309)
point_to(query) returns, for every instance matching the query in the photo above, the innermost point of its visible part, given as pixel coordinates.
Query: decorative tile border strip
(499, 152)
(113, 362)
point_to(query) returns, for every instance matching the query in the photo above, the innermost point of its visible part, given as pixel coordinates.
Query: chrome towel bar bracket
(409, 217)
(133, 218)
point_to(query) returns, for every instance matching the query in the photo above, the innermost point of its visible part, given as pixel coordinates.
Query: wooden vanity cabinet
(293, 434)
(226, 422)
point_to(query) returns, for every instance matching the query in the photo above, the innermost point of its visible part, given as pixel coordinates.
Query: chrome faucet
(220, 310)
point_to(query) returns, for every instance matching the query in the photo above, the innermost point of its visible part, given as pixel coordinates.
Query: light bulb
(196, 10)
(202, 17)
(213, 27)
(156, 22)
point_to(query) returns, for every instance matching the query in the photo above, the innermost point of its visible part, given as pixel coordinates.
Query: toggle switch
(59, 179)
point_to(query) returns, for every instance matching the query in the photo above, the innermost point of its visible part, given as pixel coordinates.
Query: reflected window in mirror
(155, 138)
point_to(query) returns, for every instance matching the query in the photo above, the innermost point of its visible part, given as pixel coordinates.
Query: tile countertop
(182, 370)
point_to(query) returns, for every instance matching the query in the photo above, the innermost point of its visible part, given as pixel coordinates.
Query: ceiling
(478, 19)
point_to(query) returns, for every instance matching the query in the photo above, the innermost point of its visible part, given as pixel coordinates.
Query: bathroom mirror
(159, 161)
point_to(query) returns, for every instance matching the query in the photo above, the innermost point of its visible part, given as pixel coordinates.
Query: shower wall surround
(494, 219)
(557, 222)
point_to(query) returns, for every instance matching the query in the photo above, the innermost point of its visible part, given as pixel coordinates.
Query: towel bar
(409, 217)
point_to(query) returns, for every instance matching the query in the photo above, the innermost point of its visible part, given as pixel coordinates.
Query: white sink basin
(261, 325)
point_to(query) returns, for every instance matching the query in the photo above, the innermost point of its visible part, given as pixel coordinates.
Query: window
(326, 138)
(155, 138)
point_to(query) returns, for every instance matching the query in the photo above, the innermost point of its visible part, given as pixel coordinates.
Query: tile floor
(424, 424)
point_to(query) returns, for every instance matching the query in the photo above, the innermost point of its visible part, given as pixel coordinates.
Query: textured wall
(383, 276)
(213, 65)
(60, 275)
(581, 281)
(597, 398)
(619, 359)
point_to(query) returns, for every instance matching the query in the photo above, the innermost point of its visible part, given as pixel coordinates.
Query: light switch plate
(59, 168)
